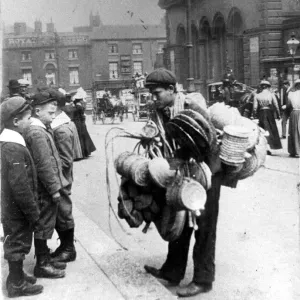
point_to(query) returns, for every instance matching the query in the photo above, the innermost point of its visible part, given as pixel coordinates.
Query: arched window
(205, 40)
(235, 28)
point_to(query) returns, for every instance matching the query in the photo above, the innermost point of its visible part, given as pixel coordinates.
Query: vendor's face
(163, 97)
(46, 113)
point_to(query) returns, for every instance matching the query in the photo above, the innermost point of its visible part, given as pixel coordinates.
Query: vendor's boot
(44, 268)
(66, 251)
(17, 285)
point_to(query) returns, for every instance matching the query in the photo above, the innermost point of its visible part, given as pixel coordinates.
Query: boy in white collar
(63, 133)
(19, 209)
(40, 142)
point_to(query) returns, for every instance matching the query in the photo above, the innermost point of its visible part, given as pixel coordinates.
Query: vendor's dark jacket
(18, 186)
(46, 159)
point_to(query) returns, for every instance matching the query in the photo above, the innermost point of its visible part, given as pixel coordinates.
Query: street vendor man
(168, 102)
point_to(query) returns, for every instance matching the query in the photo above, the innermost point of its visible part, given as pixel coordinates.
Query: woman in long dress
(263, 104)
(293, 107)
(87, 145)
(69, 109)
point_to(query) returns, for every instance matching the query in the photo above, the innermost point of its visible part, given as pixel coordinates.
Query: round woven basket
(234, 144)
(171, 223)
(160, 172)
(140, 173)
(142, 201)
(127, 164)
(250, 166)
(222, 116)
(120, 160)
(252, 127)
(190, 194)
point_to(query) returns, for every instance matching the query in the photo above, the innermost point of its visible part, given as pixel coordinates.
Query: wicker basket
(234, 145)
(250, 166)
(142, 201)
(120, 160)
(253, 128)
(190, 194)
(160, 172)
(171, 223)
(140, 173)
(222, 116)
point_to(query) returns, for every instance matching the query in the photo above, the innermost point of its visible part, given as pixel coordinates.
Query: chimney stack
(19, 28)
(37, 26)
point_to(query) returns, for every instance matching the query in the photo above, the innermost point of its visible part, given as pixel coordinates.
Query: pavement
(256, 260)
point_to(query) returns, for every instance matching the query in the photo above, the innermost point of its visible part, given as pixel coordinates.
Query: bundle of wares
(167, 187)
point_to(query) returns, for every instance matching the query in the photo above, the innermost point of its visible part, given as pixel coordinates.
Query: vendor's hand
(56, 197)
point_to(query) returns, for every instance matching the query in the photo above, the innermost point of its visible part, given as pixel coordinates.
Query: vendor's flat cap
(42, 98)
(12, 107)
(13, 83)
(160, 76)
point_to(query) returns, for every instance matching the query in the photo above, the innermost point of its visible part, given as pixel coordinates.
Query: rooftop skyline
(67, 14)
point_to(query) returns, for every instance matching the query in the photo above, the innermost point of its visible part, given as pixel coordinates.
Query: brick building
(47, 58)
(248, 37)
(106, 55)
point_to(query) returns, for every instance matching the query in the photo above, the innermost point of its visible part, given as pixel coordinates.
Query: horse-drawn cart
(104, 107)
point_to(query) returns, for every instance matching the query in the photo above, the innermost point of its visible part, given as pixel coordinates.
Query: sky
(68, 13)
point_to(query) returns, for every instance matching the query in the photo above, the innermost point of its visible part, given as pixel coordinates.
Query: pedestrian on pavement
(87, 145)
(39, 140)
(284, 97)
(263, 107)
(19, 207)
(24, 84)
(162, 85)
(69, 109)
(293, 110)
(64, 141)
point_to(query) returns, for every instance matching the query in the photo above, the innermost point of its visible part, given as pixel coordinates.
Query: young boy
(39, 140)
(64, 140)
(19, 209)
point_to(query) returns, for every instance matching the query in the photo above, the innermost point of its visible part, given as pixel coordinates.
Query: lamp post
(293, 45)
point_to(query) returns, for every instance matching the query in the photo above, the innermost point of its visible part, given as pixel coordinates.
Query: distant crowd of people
(267, 105)
(41, 136)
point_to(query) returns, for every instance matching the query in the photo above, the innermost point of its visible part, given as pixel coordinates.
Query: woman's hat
(13, 84)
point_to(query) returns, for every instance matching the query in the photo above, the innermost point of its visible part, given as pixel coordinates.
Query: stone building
(248, 37)
(96, 55)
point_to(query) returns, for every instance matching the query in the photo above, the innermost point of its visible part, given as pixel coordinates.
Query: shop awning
(278, 59)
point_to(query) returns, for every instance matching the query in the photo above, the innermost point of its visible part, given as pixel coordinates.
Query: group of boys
(37, 144)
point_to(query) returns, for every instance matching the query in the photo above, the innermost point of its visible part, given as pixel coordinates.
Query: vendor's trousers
(17, 239)
(205, 243)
